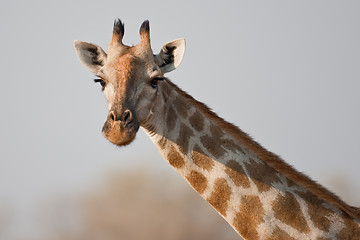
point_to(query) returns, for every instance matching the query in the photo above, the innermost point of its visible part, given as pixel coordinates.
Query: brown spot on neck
(183, 139)
(279, 234)
(237, 174)
(261, 174)
(201, 160)
(232, 146)
(162, 143)
(213, 146)
(287, 210)
(351, 229)
(317, 212)
(197, 121)
(291, 183)
(181, 107)
(250, 215)
(220, 196)
(197, 181)
(170, 119)
(216, 132)
(174, 158)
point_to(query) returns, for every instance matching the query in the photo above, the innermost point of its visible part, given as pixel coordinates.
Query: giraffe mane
(270, 158)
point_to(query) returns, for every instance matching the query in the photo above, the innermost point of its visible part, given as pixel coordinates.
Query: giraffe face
(129, 77)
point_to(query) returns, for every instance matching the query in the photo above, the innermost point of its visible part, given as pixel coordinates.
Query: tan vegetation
(137, 205)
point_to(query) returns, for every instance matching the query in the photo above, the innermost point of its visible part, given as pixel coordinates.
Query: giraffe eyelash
(102, 83)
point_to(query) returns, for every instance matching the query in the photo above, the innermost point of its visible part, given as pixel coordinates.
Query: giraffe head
(130, 78)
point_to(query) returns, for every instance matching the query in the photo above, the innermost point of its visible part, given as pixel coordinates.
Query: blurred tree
(136, 205)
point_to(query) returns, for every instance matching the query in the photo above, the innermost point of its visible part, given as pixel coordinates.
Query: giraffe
(254, 190)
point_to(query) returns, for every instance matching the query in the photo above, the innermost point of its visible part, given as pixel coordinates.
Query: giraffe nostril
(127, 117)
(111, 116)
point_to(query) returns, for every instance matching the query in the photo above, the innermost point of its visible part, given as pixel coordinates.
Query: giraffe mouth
(120, 134)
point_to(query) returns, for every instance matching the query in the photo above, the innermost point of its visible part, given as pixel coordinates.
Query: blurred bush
(137, 205)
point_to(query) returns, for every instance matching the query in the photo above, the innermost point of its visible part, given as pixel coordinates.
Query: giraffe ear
(171, 55)
(90, 55)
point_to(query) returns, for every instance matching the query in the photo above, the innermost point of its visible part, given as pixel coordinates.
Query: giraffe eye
(155, 80)
(102, 83)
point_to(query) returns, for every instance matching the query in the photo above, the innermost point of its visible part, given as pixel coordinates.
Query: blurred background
(286, 72)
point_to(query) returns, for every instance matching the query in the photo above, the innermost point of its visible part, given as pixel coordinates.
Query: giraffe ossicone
(257, 193)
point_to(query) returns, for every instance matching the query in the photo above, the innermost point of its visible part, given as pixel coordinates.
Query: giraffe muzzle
(121, 129)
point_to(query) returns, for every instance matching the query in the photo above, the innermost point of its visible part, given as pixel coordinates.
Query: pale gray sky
(286, 72)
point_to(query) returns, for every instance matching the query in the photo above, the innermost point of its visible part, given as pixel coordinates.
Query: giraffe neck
(256, 199)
